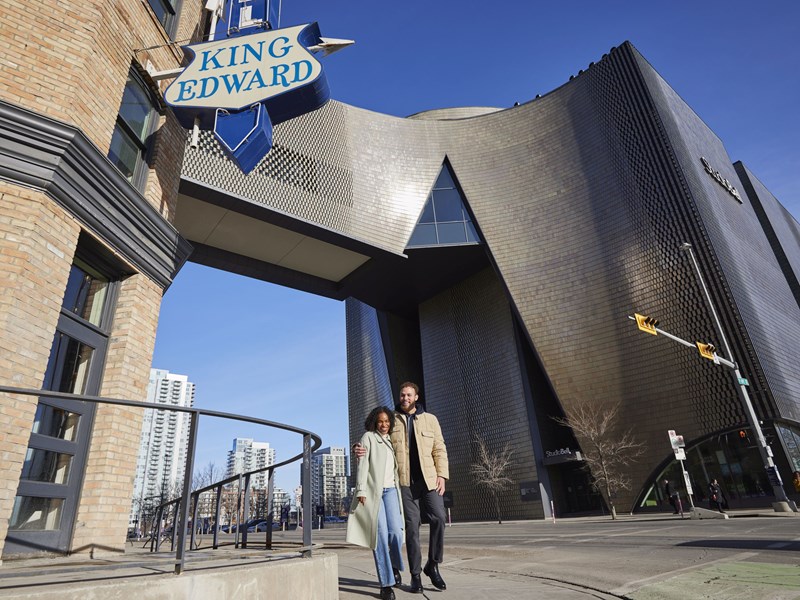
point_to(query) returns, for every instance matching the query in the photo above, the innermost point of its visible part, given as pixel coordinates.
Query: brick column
(37, 243)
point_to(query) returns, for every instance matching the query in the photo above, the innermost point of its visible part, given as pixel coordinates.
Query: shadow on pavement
(791, 546)
(361, 587)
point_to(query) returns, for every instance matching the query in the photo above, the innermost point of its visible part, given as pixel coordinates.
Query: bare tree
(206, 476)
(606, 450)
(490, 470)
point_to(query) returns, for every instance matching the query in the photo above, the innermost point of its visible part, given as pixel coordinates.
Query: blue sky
(257, 349)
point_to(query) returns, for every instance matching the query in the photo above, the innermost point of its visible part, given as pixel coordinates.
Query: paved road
(640, 558)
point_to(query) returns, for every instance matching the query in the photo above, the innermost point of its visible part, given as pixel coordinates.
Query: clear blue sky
(257, 349)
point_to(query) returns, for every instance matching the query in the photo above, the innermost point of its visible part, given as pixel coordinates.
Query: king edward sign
(249, 78)
(238, 72)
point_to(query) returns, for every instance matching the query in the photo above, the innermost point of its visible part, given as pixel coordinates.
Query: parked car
(263, 526)
(335, 519)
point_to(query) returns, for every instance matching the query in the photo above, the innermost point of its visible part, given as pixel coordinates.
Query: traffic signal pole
(782, 504)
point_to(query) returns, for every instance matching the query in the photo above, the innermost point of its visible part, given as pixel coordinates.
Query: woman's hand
(362, 499)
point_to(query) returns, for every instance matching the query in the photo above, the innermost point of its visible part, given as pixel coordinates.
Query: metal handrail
(183, 501)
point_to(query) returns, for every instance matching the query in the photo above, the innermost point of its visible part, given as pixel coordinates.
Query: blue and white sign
(248, 80)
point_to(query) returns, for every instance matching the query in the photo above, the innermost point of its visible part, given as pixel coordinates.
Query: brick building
(87, 193)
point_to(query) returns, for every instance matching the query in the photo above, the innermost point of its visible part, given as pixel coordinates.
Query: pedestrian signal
(706, 350)
(646, 324)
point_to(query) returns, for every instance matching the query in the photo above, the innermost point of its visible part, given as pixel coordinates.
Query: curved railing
(184, 502)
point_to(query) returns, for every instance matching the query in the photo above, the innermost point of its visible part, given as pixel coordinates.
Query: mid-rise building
(329, 479)
(163, 445)
(247, 455)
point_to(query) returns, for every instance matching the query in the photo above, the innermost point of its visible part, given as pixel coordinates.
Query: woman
(376, 519)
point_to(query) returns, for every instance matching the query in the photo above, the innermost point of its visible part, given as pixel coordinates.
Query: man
(423, 470)
(715, 496)
(672, 496)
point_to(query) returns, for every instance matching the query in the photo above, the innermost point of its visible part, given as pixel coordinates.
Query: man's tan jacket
(430, 443)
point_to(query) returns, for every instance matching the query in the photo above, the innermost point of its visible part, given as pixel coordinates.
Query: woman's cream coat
(362, 526)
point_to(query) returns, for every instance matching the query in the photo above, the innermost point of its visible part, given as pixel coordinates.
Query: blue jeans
(390, 538)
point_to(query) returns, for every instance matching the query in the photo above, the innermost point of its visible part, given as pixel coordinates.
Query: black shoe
(416, 584)
(398, 581)
(432, 571)
(387, 593)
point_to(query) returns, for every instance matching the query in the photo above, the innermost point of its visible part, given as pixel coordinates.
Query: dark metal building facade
(582, 199)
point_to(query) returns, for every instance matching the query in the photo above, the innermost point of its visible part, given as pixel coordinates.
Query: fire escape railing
(188, 498)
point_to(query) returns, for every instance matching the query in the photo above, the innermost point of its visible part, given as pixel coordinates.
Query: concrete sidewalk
(547, 569)
(638, 557)
(467, 579)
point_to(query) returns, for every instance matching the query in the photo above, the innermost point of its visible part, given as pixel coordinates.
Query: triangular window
(444, 220)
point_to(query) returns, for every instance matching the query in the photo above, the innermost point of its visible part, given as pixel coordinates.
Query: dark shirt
(415, 470)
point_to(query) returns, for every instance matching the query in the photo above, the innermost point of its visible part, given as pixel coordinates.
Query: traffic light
(646, 324)
(706, 350)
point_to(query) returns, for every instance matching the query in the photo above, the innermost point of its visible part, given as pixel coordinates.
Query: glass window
(55, 422)
(792, 442)
(445, 180)
(472, 235)
(424, 235)
(427, 213)
(135, 123)
(86, 292)
(36, 513)
(47, 466)
(166, 12)
(452, 233)
(70, 360)
(124, 153)
(448, 205)
(444, 219)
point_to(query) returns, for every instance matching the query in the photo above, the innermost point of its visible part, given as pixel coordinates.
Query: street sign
(774, 477)
(680, 454)
(675, 440)
(743, 381)
(688, 483)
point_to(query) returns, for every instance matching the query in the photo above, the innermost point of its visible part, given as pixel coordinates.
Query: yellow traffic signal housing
(646, 324)
(706, 350)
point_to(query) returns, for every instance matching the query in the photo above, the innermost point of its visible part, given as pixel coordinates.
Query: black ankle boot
(432, 571)
(387, 593)
(416, 584)
(398, 581)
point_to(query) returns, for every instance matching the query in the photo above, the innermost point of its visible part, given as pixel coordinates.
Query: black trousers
(416, 501)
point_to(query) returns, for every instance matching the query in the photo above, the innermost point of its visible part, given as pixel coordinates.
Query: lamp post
(782, 503)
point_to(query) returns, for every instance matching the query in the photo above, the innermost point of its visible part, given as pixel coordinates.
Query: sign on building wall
(249, 78)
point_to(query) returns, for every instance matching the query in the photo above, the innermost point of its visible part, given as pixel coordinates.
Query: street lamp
(782, 504)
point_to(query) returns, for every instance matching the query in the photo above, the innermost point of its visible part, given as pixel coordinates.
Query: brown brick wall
(71, 62)
(37, 242)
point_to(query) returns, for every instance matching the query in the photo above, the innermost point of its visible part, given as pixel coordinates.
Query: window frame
(145, 144)
(171, 10)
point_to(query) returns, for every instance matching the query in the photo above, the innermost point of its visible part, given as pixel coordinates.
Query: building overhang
(254, 240)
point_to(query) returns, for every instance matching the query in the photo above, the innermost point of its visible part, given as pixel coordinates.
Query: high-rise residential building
(163, 444)
(247, 455)
(329, 479)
